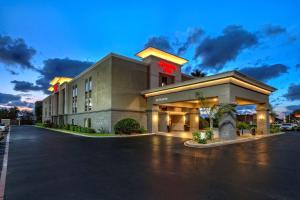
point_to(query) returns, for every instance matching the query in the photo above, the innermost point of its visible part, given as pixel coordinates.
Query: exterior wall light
(155, 118)
(261, 117)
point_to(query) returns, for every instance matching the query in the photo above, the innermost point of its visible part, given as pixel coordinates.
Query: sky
(43, 39)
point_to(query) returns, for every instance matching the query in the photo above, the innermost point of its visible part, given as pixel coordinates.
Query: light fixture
(150, 51)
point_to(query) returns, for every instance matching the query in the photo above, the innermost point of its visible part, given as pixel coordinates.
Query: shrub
(274, 129)
(127, 126)
(196, 136)
(242, 126)
(202, 141)
(142, 130)
(86, 130)
(209, 134)
(39, 124)
(103, 130)
(66, 127)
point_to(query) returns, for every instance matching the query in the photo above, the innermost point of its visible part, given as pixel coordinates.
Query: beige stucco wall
(46, 108)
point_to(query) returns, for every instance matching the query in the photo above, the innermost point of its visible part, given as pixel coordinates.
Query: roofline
(162, 51)
(187, 75)
(108, 56)
(228, 74)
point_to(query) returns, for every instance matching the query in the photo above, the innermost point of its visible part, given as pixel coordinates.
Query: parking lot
(43, 164)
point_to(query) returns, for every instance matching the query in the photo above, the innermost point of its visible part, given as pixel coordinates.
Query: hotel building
(153, 91)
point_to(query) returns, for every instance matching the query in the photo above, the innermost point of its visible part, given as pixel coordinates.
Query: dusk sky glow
(40, 40)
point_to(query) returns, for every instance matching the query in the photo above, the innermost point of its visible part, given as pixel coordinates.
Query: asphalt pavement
(44, 164)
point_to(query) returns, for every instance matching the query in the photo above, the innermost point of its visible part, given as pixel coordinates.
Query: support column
(163, 121)
(262, 119)
(194, 119)
(227, 122)
(152, 119)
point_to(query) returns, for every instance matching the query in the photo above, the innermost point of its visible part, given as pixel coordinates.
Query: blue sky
(268, 35)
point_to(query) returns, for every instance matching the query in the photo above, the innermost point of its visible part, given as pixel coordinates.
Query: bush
(242, 126)
(209, 134)
(127, 126)
(142, 130)
(66, 127)
(86, 130)
(103, 130)
(274, 129)
(202, 141)
(197, 137)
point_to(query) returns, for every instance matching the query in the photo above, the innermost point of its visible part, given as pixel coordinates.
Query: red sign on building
(168, 68)
(55, 87)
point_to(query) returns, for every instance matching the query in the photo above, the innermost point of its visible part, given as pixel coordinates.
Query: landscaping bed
(124, 128)
(218, 142)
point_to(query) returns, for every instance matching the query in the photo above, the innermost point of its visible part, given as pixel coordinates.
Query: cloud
(20, 104)
(24, 86)
(12, 72)
(265, 72)
(60, 67)
(216, 52)
(6, 98)
(160, 42)
(11, 100)
(293, 92)
(247, 109)
(193, 37)
(16, 52)
(291, 108)
(272, 30)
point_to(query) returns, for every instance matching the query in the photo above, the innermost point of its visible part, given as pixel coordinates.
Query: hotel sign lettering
(161, 99)
(168, 68)
(55, 87)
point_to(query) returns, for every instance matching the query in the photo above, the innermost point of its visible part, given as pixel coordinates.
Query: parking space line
(4, 167)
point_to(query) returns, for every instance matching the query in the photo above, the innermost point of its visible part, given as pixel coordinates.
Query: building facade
(153, 91)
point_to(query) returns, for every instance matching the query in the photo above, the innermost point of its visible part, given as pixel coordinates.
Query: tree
(9, 113)
(208, 109)
(38, 111)
(198, 73)
(215, 110)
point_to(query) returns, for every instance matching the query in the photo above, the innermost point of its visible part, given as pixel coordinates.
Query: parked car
(287, 126)
(3, 127)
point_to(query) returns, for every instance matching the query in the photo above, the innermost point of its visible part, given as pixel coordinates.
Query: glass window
(90, 84)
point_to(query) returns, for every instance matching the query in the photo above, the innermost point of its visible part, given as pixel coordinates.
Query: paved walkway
(43, 164)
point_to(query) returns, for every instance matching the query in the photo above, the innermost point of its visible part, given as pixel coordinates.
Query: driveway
(43, 164)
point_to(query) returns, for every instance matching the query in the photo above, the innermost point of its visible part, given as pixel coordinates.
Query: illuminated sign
(167, 67)
(297, 115)
(55, 87)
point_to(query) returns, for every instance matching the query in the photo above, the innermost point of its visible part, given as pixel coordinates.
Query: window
(49, 106)
(165, 79)
(72, 121)
(87, 122)
(74, 99)
(88, 94)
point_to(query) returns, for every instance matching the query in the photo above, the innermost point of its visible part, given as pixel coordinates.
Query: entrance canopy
(228, 87)
(225, 88)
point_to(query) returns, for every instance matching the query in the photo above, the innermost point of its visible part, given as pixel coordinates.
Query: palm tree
(198, 73)
(216, 110)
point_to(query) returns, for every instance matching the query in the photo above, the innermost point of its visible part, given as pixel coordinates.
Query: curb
(90, 136)
(192, 144)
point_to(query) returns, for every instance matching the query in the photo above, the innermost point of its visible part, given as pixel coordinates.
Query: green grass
(78, 133)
